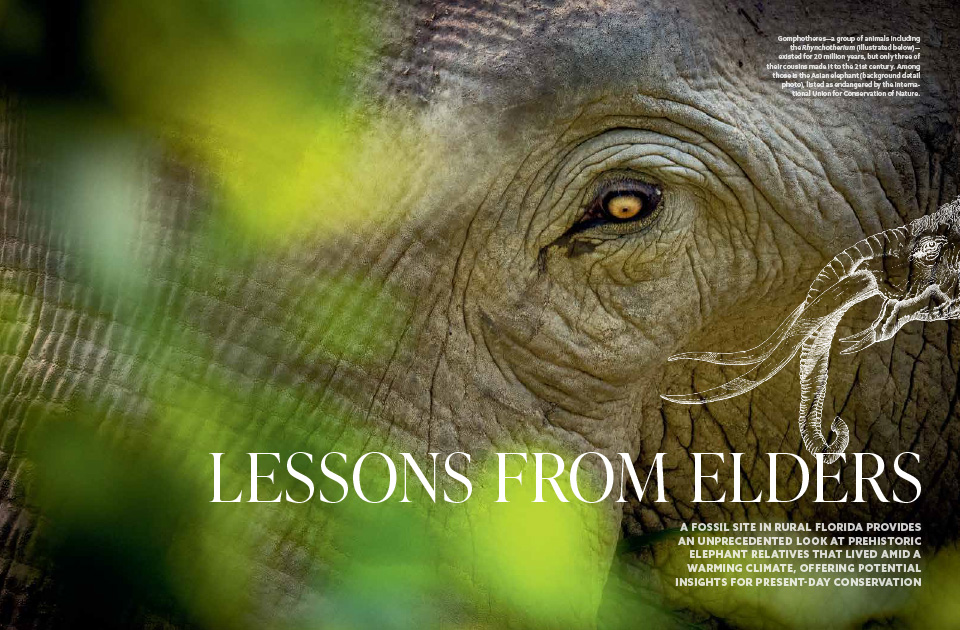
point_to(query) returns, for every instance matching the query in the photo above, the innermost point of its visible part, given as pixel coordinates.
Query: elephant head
(544, 203)
(915, 269)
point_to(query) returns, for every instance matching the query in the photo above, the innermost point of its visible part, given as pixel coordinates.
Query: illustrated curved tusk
(746, 357)
(852, 276)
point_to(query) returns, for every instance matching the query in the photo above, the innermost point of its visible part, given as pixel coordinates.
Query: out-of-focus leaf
(255, 90)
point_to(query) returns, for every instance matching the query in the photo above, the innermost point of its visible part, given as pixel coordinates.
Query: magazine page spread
(484, 314)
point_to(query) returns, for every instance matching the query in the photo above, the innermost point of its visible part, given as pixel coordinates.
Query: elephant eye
(928, 249)
(623, 201)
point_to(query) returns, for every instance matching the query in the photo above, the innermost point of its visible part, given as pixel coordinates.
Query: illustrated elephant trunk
(848, 279)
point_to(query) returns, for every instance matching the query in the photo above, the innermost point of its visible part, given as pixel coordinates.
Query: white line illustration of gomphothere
(914, 268)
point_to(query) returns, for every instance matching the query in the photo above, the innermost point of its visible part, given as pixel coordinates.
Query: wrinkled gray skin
(518, 335)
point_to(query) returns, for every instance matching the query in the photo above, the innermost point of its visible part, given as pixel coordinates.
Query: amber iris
(624, 206)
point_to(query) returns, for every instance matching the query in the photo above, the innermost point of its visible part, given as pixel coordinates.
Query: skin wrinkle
(676, 122)
(916, 166)
(552, 149)
(390, 363)
(17, 390)
(567, 218)
(887, 172)
(456, 266)
(732, 156)
(572, 431)
(594, 377)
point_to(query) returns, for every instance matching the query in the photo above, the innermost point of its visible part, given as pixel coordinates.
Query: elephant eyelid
(619, 202)
(635, 206)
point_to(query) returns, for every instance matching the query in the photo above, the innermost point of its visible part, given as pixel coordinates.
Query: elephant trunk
(811, 321)
(851, 277)
(814, 368)
(815, 361)
(844, 264)
(846, 279)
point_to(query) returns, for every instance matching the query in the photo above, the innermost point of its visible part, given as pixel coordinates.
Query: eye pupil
(624, 206)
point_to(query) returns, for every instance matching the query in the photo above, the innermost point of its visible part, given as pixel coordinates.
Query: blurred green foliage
(257, 91)
(130, 526)
(258, 94)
